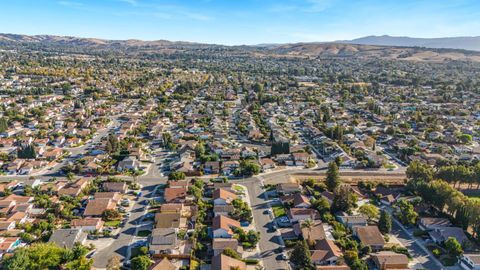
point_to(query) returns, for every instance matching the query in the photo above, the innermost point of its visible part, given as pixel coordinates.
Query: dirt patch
(355, 177)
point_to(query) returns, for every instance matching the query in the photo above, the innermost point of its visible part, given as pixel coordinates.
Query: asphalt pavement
(270, 241)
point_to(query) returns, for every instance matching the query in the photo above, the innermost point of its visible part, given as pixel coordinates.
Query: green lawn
(474, 197)
(279, 211)
(238, 188)
(113, 223)
(144, 233)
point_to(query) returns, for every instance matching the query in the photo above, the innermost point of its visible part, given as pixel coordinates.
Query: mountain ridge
(471, 43)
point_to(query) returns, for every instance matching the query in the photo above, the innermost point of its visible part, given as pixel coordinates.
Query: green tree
(176, 176)
(369, 210)
(333, 176)
(35, 257)
(3, 125)
(418, 171)
(141, 263)
(343, 199)
(385, 222)
(407, 214)
(81, 263)
(309, 224)
(453, 247)
(300, 255)
(231, 253)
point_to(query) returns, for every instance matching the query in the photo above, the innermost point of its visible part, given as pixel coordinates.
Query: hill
(462, 43)
(136, 47)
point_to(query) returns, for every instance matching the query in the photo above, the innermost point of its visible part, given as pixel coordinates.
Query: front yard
(279, 210)
(113, 223)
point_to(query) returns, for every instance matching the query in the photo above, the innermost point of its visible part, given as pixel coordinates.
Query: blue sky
(241, 21)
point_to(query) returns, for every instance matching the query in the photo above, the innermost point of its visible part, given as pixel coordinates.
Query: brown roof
(224, 194)
(370, 236)
(18, 199)
(390, 260)
(86, 222)
(303, 211)
(224, 223)
(224, 262)
(96, 207)
(171, 207)
(174, 193)
(329, 246)
(114, 186)
(164, 264)
(313, 234)
(300, 199)
(167, 220)
(108, 195)
(223, 243)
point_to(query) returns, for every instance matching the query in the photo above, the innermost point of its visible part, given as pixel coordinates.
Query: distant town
(191, 156)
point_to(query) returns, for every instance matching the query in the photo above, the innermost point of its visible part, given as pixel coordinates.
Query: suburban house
(441, 234)
(313, 234)
(66, 238)
(385, 260)
(164, 264)
(428, 223)
(288, 188)
(175, 194)
(129, 163)
(370, 236)
(120, 187)
(96, 207)
(88, 224)
(169, 220)
(163, 241)
(351, 221)
(266, 164)
(222, 227)
(223, 197)
(296, 214)
(224, 262)
(211, 167)
(325, 253)
(220, 244)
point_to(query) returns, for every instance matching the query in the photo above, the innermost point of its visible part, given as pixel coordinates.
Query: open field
(355, 177)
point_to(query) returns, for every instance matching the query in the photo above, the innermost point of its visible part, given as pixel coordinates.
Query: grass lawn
(144, 233)
(279, 211)
(238, 188)
(113, 223)
(474, 197)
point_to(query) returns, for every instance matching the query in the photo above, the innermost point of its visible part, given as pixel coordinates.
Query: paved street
(415, 248)
(269, 241)
(127, 234)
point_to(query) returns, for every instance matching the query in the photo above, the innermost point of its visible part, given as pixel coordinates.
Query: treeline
(437, 189)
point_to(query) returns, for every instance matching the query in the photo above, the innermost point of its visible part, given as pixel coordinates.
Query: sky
(237, 22)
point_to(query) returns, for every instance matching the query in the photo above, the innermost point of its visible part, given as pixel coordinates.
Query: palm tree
(308, 224)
